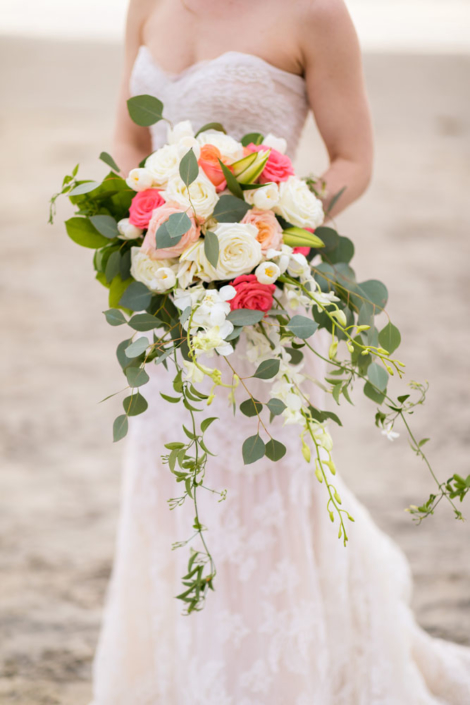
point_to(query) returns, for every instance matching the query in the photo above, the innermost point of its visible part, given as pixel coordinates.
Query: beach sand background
(59, 482)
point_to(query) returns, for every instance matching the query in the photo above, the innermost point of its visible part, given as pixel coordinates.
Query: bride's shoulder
(325, 24)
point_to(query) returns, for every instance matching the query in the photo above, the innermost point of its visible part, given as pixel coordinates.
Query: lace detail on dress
(222, 90)
(296, 619)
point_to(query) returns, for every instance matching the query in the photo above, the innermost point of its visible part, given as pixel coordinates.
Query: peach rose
(269, 230)
(209, 163)
(160, 216)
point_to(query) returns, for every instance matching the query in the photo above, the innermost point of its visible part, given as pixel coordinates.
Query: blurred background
(59, 482)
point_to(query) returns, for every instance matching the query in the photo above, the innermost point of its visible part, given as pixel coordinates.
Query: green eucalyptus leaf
(135, 404)
(234, 334)
(81, 231)
(378, 376)
(144, 322)
(373, 394)
(390, 338)
(136, 376)
(211, 248)
(267, 369)
(107, 159)
(329, 237)
(178, 225)
(163, 237)
(245, 317)
(230, 209)
(253, 449)
(276, 406)
(115, 317)
(252, 138)
(211, 126)
(275, 450)
(189, 168)
(302, 327)
(344, 252)
(120, 428)
(117, 289)
(136, 348)
(112, 266)
(375, 292)
(136, 297)
(106, 225)
(251, 407)
(84, 187)
(145, 110)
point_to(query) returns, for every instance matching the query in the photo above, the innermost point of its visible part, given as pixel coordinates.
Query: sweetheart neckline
(175, 76)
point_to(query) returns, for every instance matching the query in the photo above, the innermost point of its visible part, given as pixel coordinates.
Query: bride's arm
(131, 143)
(336, 90)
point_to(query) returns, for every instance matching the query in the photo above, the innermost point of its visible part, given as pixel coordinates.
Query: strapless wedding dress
(296, 618)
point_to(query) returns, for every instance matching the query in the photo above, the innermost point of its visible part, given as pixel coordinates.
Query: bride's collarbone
(178, 38)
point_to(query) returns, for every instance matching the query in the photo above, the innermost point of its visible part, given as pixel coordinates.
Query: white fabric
(296, 619)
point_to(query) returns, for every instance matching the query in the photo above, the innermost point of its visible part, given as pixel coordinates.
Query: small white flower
(206, 341)
(163, 164)
(299, 266)
(127, 231)
(298, 205)
(193, 373)
(267, 272)
(278, 143)
(228, 146)
(182, 298)
(214, 307)
(293, 401)
(295, 298)
(389, 432)
(139, 179)
(179, 131)
(281, 257)
(264, 198)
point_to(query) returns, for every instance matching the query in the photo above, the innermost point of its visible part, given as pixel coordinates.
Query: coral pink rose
(209, 163)
(269, 229)
(252, 294)
(278, 167)
(142, 206)
(160, 216)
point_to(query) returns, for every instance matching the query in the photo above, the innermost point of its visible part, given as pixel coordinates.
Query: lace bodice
(242, 91)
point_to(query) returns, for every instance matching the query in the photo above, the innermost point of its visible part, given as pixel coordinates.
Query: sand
(59, 484)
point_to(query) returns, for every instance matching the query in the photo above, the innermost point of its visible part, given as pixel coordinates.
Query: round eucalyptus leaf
(145, 110)
(376, 293)
(136, 348)
(267, 369)
(275, 450)
(230, 209)
(136, 297)
(378, 376)
(136, 376)
(251, 407)
(120, 428)
(106, 225)
(135, 404)
(276, 406)
(390, 338)
(302, 327)
(245, 317)
(81, 231)
(143, 322)
(115, 317)
(253, 449)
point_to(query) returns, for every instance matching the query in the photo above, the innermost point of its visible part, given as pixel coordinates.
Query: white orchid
(193, 373)
(206, 341)
(214, 307)
(389, 432)
(280, 257)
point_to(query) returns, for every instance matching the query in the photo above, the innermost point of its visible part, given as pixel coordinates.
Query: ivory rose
(209, 163)
(269, 229)
(200, 195)
(142, 206)
(157, 275)
(278, 167)
(264, 198)
(228, 146)
(160, 216)
(163, 164)
(252, 294)
(239, 250)
(298, 205)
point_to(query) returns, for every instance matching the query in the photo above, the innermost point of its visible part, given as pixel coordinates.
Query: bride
(296, 618)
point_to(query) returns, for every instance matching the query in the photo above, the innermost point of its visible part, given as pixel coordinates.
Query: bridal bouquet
(211, 240)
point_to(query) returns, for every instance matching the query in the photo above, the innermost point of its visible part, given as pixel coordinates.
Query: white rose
(278, 143)
(179, 131)
(201, 192)
(193, 264)
(157, 275)
(265, 198)
(187, 143)
(163, 164)
(139, 179)
(267, 272)
(127, 231)
(298, 205)
(239, 250)
(228, 146)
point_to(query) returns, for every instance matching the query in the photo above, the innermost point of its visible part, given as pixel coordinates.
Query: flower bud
(333, 350)
(319, 475)
(306, 452)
